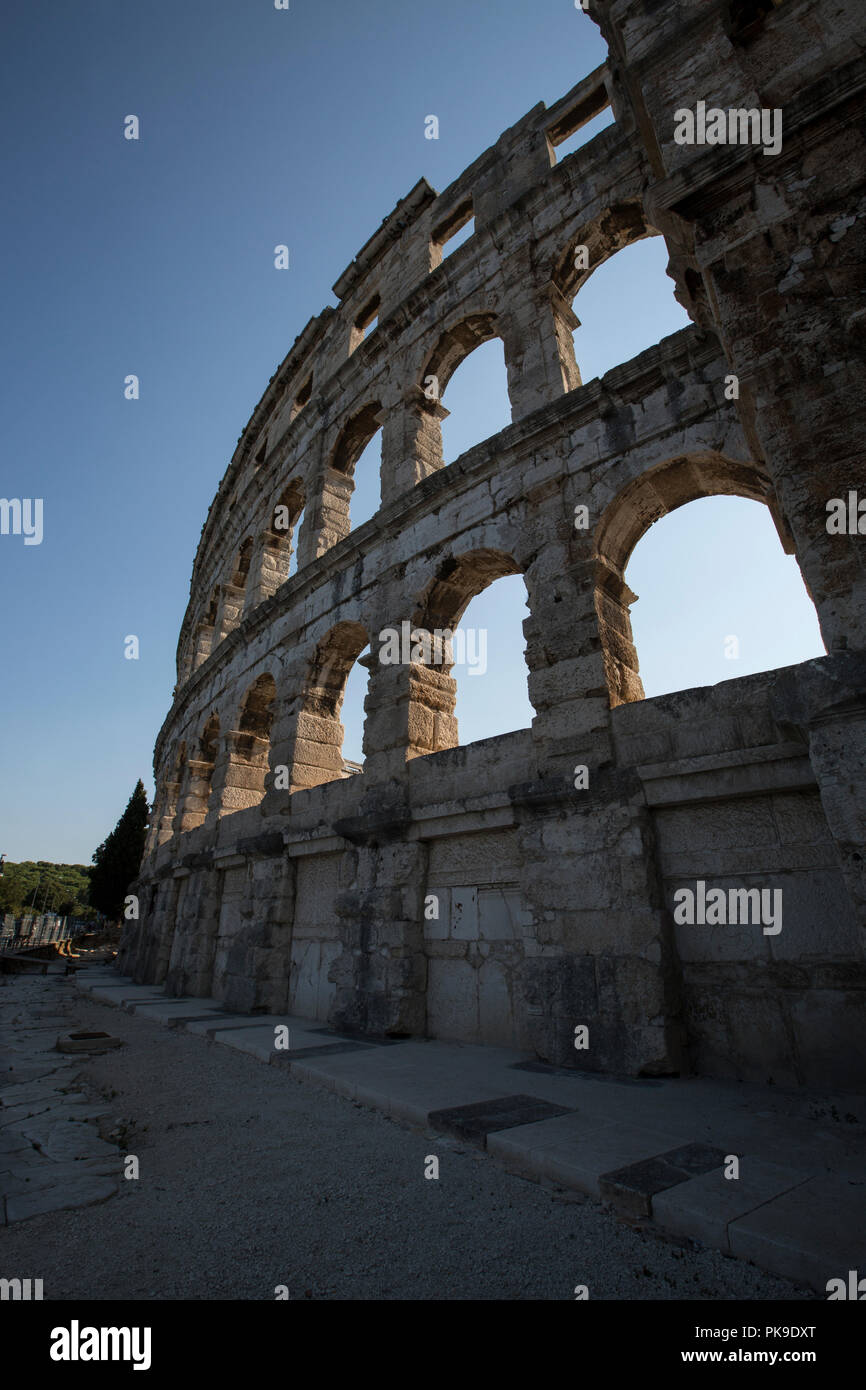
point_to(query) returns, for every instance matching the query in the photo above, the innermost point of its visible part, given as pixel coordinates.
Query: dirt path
(250, 1179)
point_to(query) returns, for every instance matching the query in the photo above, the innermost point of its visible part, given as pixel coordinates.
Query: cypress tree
(117, 860)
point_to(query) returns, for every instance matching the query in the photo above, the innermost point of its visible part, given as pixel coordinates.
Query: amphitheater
(487, 893)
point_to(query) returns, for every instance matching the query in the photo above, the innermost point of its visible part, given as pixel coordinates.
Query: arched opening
(242, 564)
(613, 274)
(249, 747)
(293, 549)
(199, 779)
(743, 609)
(626, 306)
(205, 631)
(171, 796)
(492, 696)
(279, 552)
(478, 401)
(352, 714)
(741, 542)
(358, 455)
(453, 653)
(319, 755)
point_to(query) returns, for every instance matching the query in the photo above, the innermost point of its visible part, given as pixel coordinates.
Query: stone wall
(477, 892)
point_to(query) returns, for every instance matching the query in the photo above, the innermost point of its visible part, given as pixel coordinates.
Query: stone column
(826, 699)
(568, 682)
(381, 975)
(411, 440)
(193, 807)
(171, 797)
(270, 566)
(410, 711)
(204, 644)
(239, 773)
(535, 331)
(327, 516)
(230, 610)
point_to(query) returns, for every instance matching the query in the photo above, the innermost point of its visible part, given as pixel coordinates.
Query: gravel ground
(250, 1180)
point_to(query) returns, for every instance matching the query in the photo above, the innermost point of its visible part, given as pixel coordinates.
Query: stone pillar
(269, 567)
(190, 968)
(535, 331)
(171, 795)
(204, 644)
(410, 712)
(411, 441)
(327, 516)
(193, 807)
(568, 682)
(381, 975)
(589, 872)
(826, 700)
(230, 610)
(239, 773)
(316, 751)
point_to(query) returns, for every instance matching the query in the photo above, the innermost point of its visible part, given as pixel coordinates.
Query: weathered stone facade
(305, 889)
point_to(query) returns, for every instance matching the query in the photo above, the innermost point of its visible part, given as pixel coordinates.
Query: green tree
(43, 886)
(117, 860)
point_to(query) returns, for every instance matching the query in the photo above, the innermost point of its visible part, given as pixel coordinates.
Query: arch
(615, 228)
(279, 542)
(203, 640)
(242, 563)
(171, 795)
(744, 609)
(318, 751)
(457, 582)
(257, 710)
(452, 348)
(198, 783)
(334, 657)
(432, 687)
(642, 501)
(345, 506)
(354, 437)
(248, 747)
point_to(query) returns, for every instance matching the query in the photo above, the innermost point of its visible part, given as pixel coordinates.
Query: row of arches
(358, 477)
(261, 564)
(298, 735)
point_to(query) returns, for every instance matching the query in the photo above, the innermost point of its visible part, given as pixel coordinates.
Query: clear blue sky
(155, 257)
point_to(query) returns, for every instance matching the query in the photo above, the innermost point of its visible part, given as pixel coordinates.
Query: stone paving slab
(632, 1189)
(123, 994)
(226, 1024)
(814, 1232)
(704, 1207)
(404, 1091)
(77, 1191)
(258, 1041)
(475, 1123)
(576, 1151)
(165, 1010)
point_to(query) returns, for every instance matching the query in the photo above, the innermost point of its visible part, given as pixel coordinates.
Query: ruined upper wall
(527, 208)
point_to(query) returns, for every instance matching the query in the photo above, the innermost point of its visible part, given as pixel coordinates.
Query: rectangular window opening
(302, 396)
(577, 126)
(366, 322)
(453, 232)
